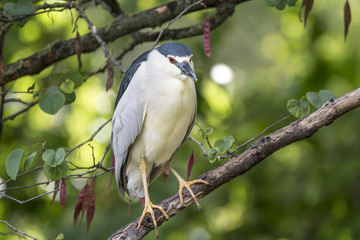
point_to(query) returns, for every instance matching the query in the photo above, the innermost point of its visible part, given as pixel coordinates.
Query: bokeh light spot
(221, 74)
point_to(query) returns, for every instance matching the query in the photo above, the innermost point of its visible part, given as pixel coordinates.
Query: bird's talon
(149, 208)
(183, 184)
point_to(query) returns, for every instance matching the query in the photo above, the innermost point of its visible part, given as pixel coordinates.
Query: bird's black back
(129, 75)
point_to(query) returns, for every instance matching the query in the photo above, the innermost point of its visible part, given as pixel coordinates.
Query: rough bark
(265, 146)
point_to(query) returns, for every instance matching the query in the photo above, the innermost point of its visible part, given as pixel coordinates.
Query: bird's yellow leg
(149, 206)
(184, 184)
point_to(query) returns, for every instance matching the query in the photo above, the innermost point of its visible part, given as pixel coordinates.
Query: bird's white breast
(170, 109)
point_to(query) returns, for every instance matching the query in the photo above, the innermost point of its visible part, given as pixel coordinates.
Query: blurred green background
(308, 190)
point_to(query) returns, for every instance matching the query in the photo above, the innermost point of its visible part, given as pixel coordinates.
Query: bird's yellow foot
(149, 208)
(183, 184)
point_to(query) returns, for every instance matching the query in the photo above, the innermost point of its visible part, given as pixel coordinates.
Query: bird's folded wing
(127, 124)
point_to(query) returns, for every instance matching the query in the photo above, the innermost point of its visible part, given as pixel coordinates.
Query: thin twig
(55, 7)
(80, 175)
(92, 153)
(17, 230)
(260, 134)
(13, 116)
(105, 152)
(173, 20)
(98, 38)
(22, 174)
(200, 145)
(27, 200)
(27, 186)
(127, 49)
(203, 133)
(88, 140)
(17, 92)
(18, 100)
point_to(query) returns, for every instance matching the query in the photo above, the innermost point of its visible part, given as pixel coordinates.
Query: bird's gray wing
(129, 75)
(127, 119)
(157, 170)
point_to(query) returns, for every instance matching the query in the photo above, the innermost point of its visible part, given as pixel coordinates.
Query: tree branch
(17, 230)
(120, 26)
(300, 129)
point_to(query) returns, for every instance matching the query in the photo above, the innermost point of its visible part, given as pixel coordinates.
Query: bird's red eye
(171, 60)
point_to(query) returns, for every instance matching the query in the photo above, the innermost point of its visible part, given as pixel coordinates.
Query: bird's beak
(187, 70)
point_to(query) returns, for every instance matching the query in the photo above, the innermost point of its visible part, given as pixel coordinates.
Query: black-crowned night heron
(154, 114)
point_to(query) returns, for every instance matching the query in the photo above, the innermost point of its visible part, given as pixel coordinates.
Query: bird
(155, 110)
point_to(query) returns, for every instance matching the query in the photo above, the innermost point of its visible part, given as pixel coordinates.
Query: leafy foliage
(280, 4)
(298, 108)
(29, 160)
(53, 158)
(19, 8)
(52, 101)
(302, 108)
(318, 99)
(13, 163)
(54, 173)
(60, 236)
(67, 86)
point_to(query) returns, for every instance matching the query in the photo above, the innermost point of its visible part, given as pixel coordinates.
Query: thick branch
(122, 25)
(265, 146)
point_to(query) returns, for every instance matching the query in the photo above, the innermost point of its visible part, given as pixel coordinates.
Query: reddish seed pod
(90, 211)
(207, 40)
(190, 165)
(62, 193)
(165, 174)
(110, 76)
(347, 17)
(79, 202)
(78, 49)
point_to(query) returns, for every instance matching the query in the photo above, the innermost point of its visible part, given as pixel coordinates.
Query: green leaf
(326, 95)
(13, 163)
(49, 157)
(298, 108)
(67, 86)
(228, 142)
(56, 77)
(19, 8)
(29, 160)
(70, 98)
(60, 155)
(53, 158)
(224, 144)
(209, 130)
(212, 154)
(76, 77)
(218, 143)
(280, 4)
(314, 99)
(43, 144)
(60, 236)
(318, 99)
(52, 101)
(54, 173)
